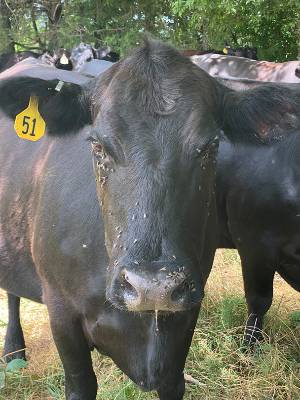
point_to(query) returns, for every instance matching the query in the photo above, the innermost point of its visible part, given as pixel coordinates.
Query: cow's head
(105, 53)
(154, 146)
(154, 141)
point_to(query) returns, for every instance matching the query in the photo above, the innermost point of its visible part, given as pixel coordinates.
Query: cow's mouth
(132, 304)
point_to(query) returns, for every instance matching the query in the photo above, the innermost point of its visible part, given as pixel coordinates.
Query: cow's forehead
(121, 124)
(126, 97)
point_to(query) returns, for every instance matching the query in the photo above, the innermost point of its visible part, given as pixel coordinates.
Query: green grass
(216, 360)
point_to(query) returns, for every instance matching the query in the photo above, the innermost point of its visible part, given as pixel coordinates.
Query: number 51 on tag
(29, 123)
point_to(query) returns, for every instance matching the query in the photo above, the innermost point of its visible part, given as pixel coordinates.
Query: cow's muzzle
(167, 288)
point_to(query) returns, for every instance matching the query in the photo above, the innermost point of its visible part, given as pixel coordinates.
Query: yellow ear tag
(225, 50)
(29, 124)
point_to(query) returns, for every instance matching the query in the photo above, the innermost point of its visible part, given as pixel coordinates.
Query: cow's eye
(105, 148)
(98, 149)
(89, 59)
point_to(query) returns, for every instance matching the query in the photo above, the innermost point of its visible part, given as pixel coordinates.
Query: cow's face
(154, 147)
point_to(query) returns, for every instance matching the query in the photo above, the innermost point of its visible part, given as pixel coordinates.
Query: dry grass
(215, 359)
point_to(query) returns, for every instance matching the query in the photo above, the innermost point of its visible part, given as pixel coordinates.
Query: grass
(216, 360)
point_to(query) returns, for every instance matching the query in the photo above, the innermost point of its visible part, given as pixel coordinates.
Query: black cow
(156, 118)
(59, 58)
(246, 52)
(106, 54)
(84, 53)
(258, 202)
(7, 60)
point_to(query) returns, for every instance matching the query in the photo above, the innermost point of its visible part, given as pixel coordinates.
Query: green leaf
(295, 318)
(3, 324)
(16, 365)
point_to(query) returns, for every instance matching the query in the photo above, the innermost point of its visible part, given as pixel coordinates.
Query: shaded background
(273, 26)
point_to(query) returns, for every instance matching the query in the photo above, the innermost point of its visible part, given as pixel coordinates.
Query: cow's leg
(14, 346)
(75, 354)
(258, 283)
(173, 390)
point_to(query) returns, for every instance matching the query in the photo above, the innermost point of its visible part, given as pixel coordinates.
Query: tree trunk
(53, 37)
(99, 24)
(54, 19)
(35, 28)
(149, 17)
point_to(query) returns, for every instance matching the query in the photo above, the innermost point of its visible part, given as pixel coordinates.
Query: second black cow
(258, 198)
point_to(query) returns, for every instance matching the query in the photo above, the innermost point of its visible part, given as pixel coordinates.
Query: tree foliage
(273, 26)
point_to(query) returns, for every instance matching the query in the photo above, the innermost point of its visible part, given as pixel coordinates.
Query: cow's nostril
(129, 290)
(180, 292)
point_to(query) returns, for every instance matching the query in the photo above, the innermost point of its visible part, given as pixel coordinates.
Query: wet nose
(168, 290)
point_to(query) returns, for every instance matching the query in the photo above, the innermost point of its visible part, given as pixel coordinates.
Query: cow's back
(243, 68)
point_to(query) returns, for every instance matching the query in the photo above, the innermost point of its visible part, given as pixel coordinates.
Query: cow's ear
(65, 107)
(266, 113)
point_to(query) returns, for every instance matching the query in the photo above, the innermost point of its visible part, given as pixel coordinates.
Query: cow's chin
(154, 352)
(159, 368)
(150, 351)
(148, 383)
